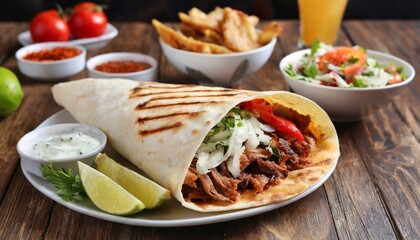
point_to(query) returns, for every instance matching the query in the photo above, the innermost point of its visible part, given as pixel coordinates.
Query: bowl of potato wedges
(217, 48)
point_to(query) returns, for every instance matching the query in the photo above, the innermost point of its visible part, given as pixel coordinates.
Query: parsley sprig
(67, 185)
(315, 46)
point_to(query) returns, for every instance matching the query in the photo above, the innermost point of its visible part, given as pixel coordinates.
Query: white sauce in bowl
(64, 146)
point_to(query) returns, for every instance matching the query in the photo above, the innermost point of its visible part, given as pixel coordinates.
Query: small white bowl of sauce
(62, 145)
(51, 61)
(134, 66)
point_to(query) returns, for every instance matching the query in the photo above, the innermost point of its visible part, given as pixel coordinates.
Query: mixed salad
(346, 67)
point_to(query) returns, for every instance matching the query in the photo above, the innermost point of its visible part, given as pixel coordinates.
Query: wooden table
(373, 194)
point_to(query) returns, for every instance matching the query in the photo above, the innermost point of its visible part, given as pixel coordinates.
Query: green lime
(11, 93)
(107, 194)
(147, 191)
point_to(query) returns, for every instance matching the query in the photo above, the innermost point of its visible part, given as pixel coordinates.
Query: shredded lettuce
(310, 69)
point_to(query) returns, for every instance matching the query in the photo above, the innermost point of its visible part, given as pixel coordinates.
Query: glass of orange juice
(320, 20)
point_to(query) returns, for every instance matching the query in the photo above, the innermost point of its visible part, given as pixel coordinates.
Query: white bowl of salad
(349, 83)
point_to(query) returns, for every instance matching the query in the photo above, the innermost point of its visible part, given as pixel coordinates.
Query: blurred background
(166, 10)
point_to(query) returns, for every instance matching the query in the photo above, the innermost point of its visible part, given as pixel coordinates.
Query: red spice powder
(122, 66)
(53, 54)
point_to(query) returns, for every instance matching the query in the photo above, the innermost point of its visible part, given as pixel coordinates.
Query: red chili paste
(122, 66)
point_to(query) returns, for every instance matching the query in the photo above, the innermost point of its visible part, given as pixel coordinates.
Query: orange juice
(320, 19)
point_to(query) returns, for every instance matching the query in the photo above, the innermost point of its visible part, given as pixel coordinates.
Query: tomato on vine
(87, 20)
(49, 26)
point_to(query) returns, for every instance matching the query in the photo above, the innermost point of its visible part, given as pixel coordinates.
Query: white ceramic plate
(111, 32)
(170, 214)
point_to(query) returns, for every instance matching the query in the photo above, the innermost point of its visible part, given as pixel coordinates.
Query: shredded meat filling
(258, 182)
(210, 189)
(260, 169)
(225, 185)
(191, 177)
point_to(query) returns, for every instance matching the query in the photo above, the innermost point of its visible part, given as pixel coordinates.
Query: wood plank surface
(8, 159)
(373, 193)
(8, 40)
(391, 136)
(24, 212)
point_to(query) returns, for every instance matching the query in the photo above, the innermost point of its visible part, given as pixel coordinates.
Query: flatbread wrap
(215, 149)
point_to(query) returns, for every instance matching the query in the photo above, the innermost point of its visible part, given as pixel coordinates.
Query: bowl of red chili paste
(51, 61)
(134, 66)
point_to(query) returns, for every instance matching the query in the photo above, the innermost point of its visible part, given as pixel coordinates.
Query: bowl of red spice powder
(51, 61)
(128, 65)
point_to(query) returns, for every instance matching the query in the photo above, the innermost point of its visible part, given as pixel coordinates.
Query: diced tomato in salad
(342, 55)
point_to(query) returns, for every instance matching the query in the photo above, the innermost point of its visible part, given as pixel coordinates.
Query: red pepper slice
(267, 115)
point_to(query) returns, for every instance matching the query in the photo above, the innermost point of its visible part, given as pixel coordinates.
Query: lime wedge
(11, 93)
(147, 191)
(106, 194)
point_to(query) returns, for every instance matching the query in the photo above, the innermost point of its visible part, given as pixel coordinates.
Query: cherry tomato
(88, 20)
(392, 69)
(340, 55)
(87, 6)
(49, 26)
(396, 79)
(267, 115)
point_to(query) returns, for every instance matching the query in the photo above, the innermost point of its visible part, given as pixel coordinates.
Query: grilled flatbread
(163, 129)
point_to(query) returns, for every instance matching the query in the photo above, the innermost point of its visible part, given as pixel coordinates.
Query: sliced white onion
(252, 142)
(266, 128)
(208, 147)
(221, 136)
(233, 164)
(207, 162)
(324, 77)
(264, 139)
(339, 79)
(270, 149)
(334, 68)
(201, 165)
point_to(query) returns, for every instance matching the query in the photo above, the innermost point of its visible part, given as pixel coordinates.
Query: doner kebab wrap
(215, 149)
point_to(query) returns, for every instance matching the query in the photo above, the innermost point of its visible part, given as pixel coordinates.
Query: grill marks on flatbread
(146, 105)
(159, 103)
(150, 89)
(161, 129)
(176, 114)
(183, 94)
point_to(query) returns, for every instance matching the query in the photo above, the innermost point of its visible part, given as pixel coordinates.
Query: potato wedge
(205, 35)
(270, 31)
(200, 20)
(178, 40)
(239, 34)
